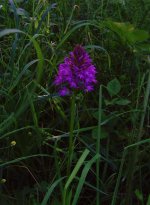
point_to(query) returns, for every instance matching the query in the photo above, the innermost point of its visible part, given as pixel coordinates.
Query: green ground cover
(89, 148)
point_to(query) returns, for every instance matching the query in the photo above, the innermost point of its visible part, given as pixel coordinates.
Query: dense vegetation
(110, 126)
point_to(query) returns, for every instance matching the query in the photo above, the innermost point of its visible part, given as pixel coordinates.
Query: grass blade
(82, 178)
(50, 190)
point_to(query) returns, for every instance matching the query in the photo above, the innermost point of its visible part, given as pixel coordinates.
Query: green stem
(58, 168)
(98, 149)
(71, 142)
(134, 152)
(114, 198)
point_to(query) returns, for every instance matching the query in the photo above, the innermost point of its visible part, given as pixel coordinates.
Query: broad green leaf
(139, 195)
(137, 36)
(96, 114)
(114, 87)
(122, 102)
(127, 32)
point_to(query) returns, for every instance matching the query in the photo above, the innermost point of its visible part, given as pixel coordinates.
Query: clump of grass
(110, 160)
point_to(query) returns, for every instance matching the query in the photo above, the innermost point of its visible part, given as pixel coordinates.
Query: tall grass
(96, 151)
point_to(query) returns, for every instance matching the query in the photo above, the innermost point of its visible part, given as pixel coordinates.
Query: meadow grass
(91, 148)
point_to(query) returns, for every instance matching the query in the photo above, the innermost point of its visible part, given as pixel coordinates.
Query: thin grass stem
(98, 148)
(135, 151)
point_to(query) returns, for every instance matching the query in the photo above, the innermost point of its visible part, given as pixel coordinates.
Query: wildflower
(3, 181)
(13, 143)
(76, 72)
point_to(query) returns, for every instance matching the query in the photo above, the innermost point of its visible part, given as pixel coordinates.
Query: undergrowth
(110, 162)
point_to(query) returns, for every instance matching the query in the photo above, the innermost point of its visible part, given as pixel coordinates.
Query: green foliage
(139, 195)
(148, 201)
(114, 87)
(127, 32)
(109, 149)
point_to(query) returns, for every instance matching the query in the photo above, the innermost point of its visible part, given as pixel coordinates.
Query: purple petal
(76, 72)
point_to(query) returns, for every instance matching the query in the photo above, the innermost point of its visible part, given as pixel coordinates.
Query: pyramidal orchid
(76, 73)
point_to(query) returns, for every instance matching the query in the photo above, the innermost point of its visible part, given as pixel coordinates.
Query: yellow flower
(13, 143)
(3, 181)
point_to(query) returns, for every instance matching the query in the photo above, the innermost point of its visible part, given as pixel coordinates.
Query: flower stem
(71, 142)
(98, 148)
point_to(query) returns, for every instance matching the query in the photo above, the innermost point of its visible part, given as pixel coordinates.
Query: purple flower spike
(76, 73)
